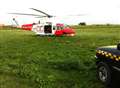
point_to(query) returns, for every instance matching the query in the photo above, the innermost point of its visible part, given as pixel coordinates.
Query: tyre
(104, 73)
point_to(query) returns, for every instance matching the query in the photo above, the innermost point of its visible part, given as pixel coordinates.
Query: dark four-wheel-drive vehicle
(108, 63)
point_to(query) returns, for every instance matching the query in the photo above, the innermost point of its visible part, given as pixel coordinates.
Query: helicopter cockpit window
(59, 28)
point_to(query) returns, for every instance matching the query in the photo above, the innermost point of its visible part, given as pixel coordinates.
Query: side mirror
(118, 46)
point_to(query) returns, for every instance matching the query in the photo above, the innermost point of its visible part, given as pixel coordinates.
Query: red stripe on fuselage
(27, 26)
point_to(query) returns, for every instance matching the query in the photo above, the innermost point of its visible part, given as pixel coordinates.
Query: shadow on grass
(115, 84)
(69, 65)
(115, 81)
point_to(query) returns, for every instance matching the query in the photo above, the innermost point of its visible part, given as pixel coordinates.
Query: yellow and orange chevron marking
(108, 55)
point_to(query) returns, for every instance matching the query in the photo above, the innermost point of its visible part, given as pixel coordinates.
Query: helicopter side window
(59, 28)
(54, 28)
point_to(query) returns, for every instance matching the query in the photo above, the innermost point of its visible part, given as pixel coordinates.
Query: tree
(82, 24)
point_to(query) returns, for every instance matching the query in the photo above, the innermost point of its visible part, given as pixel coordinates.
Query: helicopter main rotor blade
(49, 16)
(40, 16)
(43, 16)
(78, 15)
(27, 14)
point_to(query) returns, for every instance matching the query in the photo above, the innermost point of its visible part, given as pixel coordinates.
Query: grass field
(30, 61)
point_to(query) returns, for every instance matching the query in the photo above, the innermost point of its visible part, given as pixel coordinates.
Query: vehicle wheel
(104, 73)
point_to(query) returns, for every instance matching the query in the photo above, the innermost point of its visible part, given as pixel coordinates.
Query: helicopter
(46, 28)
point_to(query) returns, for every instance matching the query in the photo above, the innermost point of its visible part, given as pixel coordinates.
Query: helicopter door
(48, 28)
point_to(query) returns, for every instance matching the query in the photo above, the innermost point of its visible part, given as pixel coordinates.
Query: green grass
(30, 61)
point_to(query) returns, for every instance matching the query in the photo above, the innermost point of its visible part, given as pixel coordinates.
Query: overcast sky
(94, 11)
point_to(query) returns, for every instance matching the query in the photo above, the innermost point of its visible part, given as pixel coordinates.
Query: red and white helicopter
(47, 28)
